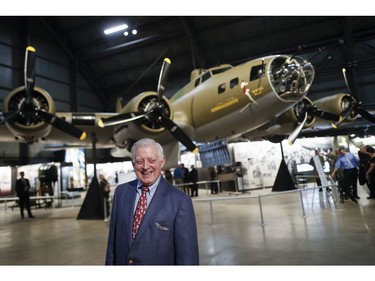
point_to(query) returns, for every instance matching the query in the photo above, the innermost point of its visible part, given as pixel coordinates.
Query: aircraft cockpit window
(220, 70)
(196, 83)
(206, 76)
(221, 88)
(256, 72)
(233, 83)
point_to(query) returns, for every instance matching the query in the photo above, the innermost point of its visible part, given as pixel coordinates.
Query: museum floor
(317, 232)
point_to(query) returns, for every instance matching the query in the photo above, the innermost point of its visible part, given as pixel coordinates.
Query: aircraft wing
(358, 128)
(321, 120)
(87, 122)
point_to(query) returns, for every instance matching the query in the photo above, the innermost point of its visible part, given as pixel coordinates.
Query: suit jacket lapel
(129, 195)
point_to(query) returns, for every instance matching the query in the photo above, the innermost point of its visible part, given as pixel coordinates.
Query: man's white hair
(147, 142)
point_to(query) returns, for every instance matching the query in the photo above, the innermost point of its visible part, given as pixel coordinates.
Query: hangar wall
(56, 72)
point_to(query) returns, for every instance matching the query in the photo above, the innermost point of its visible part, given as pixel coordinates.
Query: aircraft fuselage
(239, 99)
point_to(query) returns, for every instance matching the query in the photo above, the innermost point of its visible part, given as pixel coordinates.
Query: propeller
(313, 110)
(179, 134)
(293, 136)
(4, 117)
(306, 110)
(62, 124)
(163, 78)
(29, 72)
(120, 119)
(30, 109)
(352, 106)
(154, 112)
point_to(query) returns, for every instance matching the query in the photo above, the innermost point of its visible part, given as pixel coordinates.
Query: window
(233, 83)
(257, 72)
(196, 83)
(221, 70)
(221, 88)
(206, 76)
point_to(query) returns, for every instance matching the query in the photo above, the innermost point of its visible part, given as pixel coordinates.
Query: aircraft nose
(291, 78)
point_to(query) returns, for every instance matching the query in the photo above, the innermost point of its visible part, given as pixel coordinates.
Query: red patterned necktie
(140, 211)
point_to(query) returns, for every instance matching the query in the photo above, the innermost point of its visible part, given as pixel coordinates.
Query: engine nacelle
(27, 125)
(337, 104)
(296, 114)
(143, 103)
(277, 130)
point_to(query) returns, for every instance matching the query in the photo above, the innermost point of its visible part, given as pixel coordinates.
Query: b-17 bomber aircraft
(253, 100)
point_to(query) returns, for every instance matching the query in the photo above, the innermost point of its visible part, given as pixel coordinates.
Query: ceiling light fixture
(115, 29)
(134, 32)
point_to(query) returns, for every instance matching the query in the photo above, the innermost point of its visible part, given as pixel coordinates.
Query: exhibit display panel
(114, 172)
(73, 172)
(260, 162)
(5, 181)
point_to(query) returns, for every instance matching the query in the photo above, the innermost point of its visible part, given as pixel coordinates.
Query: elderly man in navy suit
(167, 233)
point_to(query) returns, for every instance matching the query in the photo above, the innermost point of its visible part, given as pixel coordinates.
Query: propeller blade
(325, 115)
(344, 115)
(346, 80)
(293, 136)
(365, 114)
(4, 117)
(29, 72)
(163, 78)
(120, 118)
(62, 125)
(179, 134)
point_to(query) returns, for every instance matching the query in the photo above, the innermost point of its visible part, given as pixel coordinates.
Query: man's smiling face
(147, 164)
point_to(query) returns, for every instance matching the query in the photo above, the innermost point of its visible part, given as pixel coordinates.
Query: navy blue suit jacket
(168, 232)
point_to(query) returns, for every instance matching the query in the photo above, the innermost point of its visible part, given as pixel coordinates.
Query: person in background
(194, 180)
(116, 177)
(178, 176)
(348, 163)
(107, 190)
(370, 173)
(22, 190)
(152, 221)
(292, 168)
(185, 179)
(364, 159)
(213, 176)
(168, 176)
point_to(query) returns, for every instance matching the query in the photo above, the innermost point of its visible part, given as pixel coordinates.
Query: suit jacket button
(130, 261)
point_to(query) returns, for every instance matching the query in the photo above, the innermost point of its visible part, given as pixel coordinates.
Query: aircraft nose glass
(291, 79)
